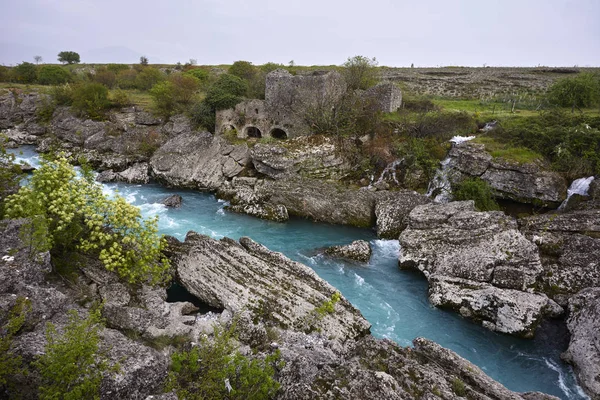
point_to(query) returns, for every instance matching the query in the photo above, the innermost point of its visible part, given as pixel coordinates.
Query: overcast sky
(396, 32)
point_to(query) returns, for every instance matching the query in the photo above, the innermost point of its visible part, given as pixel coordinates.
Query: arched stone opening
(252, 132)
(228, 128)
(278, 133)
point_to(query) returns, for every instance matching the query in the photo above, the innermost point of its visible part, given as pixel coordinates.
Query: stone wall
(387, 97)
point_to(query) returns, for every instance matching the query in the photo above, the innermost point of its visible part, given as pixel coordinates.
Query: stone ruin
(278, 115)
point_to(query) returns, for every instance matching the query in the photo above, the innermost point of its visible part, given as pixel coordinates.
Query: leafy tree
(201, 74)
(579, 91)
(25, 72)
(243, 69)
(4, 73)
(68, 57)
(204, 371)
(144, 60)
(148, 77)
(116, 68)
(11, 364)
(91, 99)
(71, 366)
(175, 94)
(38, 59)
(126, 79)
(226, 92)
(53, 75)
(79, 217)
(477, 190)
(360, 72)
(105, 76)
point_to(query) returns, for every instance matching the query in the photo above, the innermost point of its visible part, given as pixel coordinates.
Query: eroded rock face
(392, 208)
(19, 109)
(526, 183)
(359, 250)
(231, 275)
(308, 157)
(584, 348)
(569, 245)
(137, 173)
(317, 200)
(198, 160)
(477, 263)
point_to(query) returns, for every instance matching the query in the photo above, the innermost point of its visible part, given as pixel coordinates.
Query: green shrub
(360, 72)
(71, 367)
(202, 115)
(458, 387)
(147, 78)
(10, 174)
(116, 68)
(226, 92)
(4, 74)
(10, 325)
(62, 95)
(477, 190)
(328, 306)
(53, 75)
(24, 73)
(439, 124)
(119, 98)
(163, 99)
(203, 371)
(243, 69)
(199, 73)
(91, 99)
(421, 160)
(126, 79)
(175, 94)
(45, 110)
(105, 77)
(578, 91)
(77, 216)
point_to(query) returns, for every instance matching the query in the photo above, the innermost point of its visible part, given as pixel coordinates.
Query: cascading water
(393, 301)
(439, 187)
(579, 186)
(388, 172)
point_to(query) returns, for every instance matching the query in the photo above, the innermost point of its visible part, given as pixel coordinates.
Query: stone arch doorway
(279, 133)
(252, 132)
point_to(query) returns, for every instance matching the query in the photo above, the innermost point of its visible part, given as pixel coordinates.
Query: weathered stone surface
(19, 108)
(246, 275)
(197, 160)
(527, 183)
(137, 173)
(477, 263)
(392, 208)
(145, 118)
(584, 348)
(569, 245)
(309, 157)
(359, 250)
(320, 201)
(173, 201)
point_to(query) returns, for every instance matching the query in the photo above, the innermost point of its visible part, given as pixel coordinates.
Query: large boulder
(477, 263)
(314, 157)
(198, 160)
(392, 208)
(18, 108)
(137, 173)
(317, 200)
(584, 347)
(527, 183)
(569, 244)
(359, 250)
(246, 275)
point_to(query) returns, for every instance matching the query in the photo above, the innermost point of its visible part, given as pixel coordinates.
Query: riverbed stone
(392, 208)
(173, 201)
(477, 263)
(358, 250)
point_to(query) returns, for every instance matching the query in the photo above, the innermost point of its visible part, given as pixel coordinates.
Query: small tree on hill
(360, 72)
(68, 57)
(143, 60)
(579, 91)
(38, 59)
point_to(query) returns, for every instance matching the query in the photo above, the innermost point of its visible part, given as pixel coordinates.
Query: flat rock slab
(359, 250)
(248, 276)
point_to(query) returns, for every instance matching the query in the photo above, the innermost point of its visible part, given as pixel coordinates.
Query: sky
(309, 32)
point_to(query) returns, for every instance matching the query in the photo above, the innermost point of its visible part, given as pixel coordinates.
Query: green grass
(521, 155)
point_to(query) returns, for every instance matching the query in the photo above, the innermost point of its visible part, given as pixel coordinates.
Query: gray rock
(173, 201)
(19, 108)
(137, 173)
(584, 347)
(359, 250)
(391, 210)
(246, 275)
(477, 263)
(196, 160)
(145, 118)
(527, 183)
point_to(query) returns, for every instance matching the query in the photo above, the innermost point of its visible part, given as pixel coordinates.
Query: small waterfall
(440, 186)
(388, 171)
(579, 186)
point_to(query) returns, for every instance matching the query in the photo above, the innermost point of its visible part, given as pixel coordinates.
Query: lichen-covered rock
(392, 208)
(527, 183)
(309, 157)
(317, 200)
(359, 250)
(569, 245)
(173, 201)
(18, 107)
(137, 173)
(584, 347)
(246, 275)
(198, 160)
(470, 258)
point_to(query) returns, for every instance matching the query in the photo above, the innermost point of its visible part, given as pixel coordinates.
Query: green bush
(203, 371)
(226, 92)
(10, 325)
(126, 79)
(202, 115)
(116, 68)
(360, 72)
(24, 73)
(72, 366)
(105, 77)
(147, 78)
(4, 74)
(163, 99)
(53, 75)
(76, 216)
(201, 74)
(62, 95)
(477, 190)
(91, 99)
(10, 174)
(439, 124)
(458, 387)
(119, 98)
(175, 94)
(421, 160)
(243, 69)
(579, 91)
